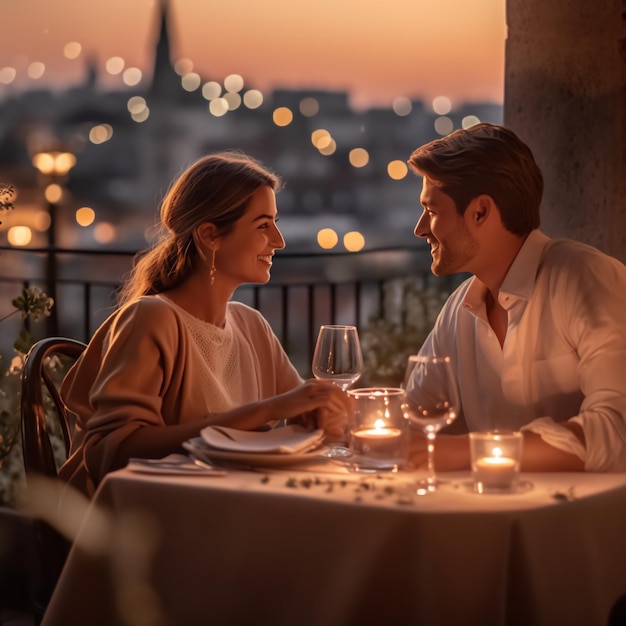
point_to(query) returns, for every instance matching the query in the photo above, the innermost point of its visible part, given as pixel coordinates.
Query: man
(537, 335)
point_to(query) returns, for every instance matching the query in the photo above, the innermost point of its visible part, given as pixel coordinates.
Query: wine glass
(337, 356)
(431, 402)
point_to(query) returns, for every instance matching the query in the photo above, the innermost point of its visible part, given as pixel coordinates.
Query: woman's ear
(206, 236)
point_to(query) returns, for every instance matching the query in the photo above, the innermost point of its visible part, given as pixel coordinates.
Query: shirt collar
(519, 280)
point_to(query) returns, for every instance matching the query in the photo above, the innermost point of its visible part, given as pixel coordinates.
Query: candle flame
(497, 452)
(379, 424)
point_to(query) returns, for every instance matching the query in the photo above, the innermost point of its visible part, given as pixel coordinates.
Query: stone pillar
(565, 95)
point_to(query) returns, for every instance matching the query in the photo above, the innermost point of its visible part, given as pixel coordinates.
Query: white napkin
(284, 440)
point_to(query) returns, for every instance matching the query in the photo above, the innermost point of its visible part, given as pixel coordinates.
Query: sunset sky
(374, 49)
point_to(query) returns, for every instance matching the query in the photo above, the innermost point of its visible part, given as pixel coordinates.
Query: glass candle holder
(378, 429)
(496, 457)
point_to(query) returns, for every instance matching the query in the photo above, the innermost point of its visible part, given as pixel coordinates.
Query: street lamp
(54, 165)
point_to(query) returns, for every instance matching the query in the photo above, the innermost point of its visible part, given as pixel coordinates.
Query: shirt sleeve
(593, 301)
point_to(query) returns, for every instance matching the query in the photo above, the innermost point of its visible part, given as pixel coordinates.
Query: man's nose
(422, 228)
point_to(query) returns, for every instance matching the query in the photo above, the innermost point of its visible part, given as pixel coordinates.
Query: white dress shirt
(564, 355)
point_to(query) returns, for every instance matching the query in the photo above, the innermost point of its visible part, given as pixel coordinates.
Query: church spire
(165, 81)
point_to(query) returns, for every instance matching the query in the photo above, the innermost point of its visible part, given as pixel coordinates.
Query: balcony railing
(305, 291)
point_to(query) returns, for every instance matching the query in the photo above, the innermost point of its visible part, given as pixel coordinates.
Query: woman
(178, 355)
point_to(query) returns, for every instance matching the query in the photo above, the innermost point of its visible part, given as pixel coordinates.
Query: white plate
(198, 448)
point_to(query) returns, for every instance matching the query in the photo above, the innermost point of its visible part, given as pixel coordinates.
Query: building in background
(344, 170)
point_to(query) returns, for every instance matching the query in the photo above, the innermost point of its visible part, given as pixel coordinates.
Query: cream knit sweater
(152, 363)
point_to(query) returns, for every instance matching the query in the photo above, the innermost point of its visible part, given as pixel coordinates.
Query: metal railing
(305, 291)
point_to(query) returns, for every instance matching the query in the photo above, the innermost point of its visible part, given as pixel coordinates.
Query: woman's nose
(278, 241)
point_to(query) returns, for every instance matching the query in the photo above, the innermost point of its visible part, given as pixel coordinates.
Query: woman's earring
(212, 270)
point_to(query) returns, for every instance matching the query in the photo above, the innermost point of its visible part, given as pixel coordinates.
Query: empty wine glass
(337, 356)
(432, 402)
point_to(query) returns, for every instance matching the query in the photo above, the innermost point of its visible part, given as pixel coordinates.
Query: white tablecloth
(298, 548)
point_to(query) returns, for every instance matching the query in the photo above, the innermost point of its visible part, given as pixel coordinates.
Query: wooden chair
(51, 548)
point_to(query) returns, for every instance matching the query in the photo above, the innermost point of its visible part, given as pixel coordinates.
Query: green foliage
(7, 192)
(33, 304)
(409, 312)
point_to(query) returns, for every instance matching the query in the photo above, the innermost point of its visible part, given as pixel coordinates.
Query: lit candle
(495, 470)
(380, 440)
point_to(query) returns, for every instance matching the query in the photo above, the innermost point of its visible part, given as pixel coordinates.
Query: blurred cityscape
(91, 164)
(344, 170)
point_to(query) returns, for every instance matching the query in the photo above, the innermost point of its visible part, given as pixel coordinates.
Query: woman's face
(245, 254)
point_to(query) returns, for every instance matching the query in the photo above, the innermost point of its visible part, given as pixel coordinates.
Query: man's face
(452, 245)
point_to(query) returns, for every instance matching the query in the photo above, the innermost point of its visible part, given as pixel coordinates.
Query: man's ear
(482, 207)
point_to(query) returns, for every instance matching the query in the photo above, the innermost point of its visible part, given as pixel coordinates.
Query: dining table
(319, 545)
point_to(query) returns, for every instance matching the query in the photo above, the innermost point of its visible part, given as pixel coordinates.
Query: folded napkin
(173, 464)
(283, 440)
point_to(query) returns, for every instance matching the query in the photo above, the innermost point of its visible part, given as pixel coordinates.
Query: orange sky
(375, 49)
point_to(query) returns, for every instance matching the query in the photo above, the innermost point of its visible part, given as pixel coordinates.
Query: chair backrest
(36, 447)
(51, 548)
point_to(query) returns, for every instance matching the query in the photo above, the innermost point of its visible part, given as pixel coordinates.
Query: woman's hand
(321, 401)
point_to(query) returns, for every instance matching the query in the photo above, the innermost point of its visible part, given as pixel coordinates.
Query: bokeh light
(191, 81)
(72, 50)
(321, 138)
(329, 149)
(309, 107)
(470, 120)
(114, 65)
(442, 105)
(253, 98)
(282, 116)
(19, 235)
(358, 157)
(402, 106)
(183, 66)
(36, 70)
(211, 90)
(218, 107)
(397, 170)
(233, 99)
(443, 125)
(85, 216)
(104, 232)
(53, 193)
(327, 238)
(41, 221)
(132, 76)
(353, 241)
(138, 109)
(136, 104)
(7, 75)
(100, 133)
(233, 82)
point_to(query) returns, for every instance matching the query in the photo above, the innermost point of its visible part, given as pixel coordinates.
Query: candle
(496, 457)
(379, 441)
(378, 429)
(496, 470)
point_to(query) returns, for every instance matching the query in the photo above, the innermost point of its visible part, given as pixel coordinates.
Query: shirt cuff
(557, 436)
